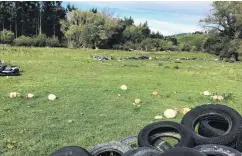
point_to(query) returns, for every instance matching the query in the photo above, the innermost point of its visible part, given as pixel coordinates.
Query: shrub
(52, 42)
(174, 48)
(150, 44)
(194, 48)
(117, 46)
(23, 41)
(40, 40)
(6, 36)
(165, 44)
(63, 42)
(172, 39)
(128, 45)
(147, 44)
(186, 47)
(213, 44)
(195, 40)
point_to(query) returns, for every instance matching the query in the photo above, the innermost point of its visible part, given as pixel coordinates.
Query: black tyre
(208, 112)
(159, 143)
(71, 151)
(212, 128)
(131, 141)
(239, 142)
(182, 151)
(109, 149)
(219, 150)
(143, 151)
(165, 127)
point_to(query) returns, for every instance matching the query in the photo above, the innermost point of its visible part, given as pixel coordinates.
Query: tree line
(48, 23)
(31, 18)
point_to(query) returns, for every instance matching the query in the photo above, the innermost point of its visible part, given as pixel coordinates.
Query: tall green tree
(70, 7)
(225, 20)
(94, 10)
(52, 13)
(88, 29)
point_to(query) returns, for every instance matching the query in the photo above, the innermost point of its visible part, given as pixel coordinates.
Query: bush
(23, 41)
(230, 50)
(63, 42)
(186, 47)
(52, 42)
(174, 48)
(165, 44)
(40, 40)
(240, 48)
(212, 45)
(6, 36)
(147, 44)
(194, 40)
(194, 48)
(117, 46)
(128, 45)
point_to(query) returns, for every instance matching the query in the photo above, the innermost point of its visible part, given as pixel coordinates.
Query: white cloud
(188, 7)
(167, 17)
(168, 28)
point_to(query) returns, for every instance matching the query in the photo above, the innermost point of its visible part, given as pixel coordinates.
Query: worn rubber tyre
(212, 128)
(160, 144)
(219, 150)
(207, 112)
(239, 142)
(71, 151)
(143, 151)
(111, 148)
(131, 141)
(155, 140)
(164, 127)
(182, 151)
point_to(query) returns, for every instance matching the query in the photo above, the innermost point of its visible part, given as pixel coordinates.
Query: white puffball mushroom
(123, 87)
(137, 101)
(215, 97)
(170, 113)
(29, 96)
(155, 93)
(206, 93)
(51, 97)
(220, 98)
(185, 110)
(13, 94)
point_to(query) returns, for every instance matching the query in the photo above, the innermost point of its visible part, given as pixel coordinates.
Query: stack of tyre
(207, 130)
(6, 70)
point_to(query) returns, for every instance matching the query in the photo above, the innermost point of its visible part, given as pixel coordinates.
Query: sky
(167, 17)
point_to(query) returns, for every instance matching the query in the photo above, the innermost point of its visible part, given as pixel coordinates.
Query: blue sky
(167, 17)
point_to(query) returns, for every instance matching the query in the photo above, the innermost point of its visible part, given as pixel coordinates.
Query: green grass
(87, 94)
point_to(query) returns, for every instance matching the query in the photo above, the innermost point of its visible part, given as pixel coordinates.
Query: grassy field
(87, 95)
